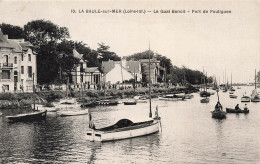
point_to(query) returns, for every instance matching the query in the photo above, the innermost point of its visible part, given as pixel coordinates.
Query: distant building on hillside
(18, 63)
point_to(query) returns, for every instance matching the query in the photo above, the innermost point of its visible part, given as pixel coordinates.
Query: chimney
(6, 36)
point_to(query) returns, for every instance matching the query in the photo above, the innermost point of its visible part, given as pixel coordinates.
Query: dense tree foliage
(105, 54)
(13, 32)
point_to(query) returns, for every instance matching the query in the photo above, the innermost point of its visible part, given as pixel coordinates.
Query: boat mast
(231, 83)
(164, 79)
(33, 93)
(134, 81)
(255, 78)
(150, 102)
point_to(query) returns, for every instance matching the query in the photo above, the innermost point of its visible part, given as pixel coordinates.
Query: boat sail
(125, 128)
(255, 96)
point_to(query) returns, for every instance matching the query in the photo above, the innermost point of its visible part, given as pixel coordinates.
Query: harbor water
(188, 135)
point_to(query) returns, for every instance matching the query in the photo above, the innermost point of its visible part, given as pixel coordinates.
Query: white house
(18, 63)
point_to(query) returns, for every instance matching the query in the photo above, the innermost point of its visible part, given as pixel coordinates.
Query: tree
(13, 32)
(41, 32)
(47, 39)
(105, 54)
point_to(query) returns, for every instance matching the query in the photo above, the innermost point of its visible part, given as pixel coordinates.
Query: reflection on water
(189, 135)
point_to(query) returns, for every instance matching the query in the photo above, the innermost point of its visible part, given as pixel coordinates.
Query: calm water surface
(189, 135)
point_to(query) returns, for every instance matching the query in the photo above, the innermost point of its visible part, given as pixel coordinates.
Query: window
(29, 57)
(6, 74)
(22, 57)
(22, 69)
(6, 58)
(15, 60)
(30, 71)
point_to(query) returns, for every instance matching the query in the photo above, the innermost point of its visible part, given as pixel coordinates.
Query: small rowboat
(204, 100)
(230, 110)
(72, 113)
(33, 116)
(218, 114)
(233, 96)
(130, 102)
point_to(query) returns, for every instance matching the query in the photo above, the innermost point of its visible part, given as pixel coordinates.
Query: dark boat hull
(34, 116)
(219, 114)
(230, 110)
(129, 103)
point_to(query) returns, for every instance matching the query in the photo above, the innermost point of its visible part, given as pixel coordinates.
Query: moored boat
(72, 113)
(218, 114)
(107, 102)
(230, 110)
(32, 116)
(245, 99)
(233, 96)
(124, 129)
(130, 102)
(204, 100)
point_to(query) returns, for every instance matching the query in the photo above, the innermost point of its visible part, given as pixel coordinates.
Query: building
(119, 71)
(18, 64)
(83, 75)
(155, 69)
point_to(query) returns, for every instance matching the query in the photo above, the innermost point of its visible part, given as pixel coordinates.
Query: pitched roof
(91, 69)
(76, 54)
(3, 41)
(15, 45)
(25, 45)
(133, 66)
(108, 66)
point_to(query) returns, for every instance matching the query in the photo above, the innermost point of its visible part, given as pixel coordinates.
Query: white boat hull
(73, 113)
(102, 136)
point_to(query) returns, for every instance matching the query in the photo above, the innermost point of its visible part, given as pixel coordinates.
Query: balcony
(7, 65)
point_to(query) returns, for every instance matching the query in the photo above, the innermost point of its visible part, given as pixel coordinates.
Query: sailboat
(32, 116)
(125, 128)
(206, 99)
(67, 102)
(204, 93)
(218, 113)
(170, 97)
(255, 96)
(231, 93)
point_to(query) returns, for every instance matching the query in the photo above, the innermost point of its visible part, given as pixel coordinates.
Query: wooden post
(33, 93)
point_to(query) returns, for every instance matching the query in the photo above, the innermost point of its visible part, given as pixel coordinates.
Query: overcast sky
(218, 42)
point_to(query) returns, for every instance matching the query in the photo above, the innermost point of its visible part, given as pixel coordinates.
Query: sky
(222, 44)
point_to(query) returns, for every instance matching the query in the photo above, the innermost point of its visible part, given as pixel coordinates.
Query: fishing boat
(231, 93)
(125, 128)
(205, 93)
(31, 116)
(218, 113)
(72, 113)
(230, 110)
